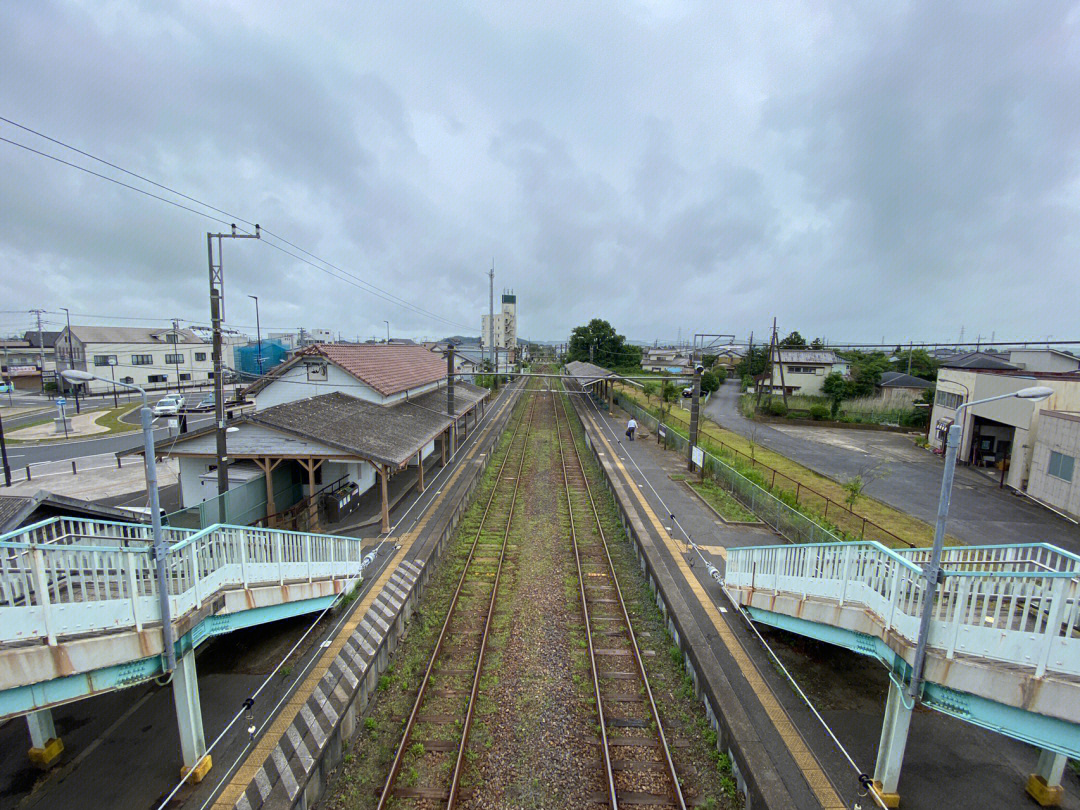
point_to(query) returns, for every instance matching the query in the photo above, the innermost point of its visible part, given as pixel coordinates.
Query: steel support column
(1044, 786)
(189, 717)
(45, 746)
(894, 734)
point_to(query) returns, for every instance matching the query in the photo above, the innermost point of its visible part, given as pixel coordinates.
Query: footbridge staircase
(1003, 647)
(80, 612)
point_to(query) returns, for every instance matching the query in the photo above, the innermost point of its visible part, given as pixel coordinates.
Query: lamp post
(932, 571)
(258, 332)
(150, 463)
(71, 358)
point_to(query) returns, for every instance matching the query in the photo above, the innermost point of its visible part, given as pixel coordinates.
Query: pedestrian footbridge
(1003, 649)
(80, 611)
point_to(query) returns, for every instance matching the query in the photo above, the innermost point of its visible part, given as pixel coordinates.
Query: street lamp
(932, 570)
(150, 463)
(71, 357)
(387, 332)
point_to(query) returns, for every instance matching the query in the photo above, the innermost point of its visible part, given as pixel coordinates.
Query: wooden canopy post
(442, 445)
(420, 465)
(383, 475)
(268, 467)
(313, 508)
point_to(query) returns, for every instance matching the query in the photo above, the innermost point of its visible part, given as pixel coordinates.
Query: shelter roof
(587, 373)
(19, 510)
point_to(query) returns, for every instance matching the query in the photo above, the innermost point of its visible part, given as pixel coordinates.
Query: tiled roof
(979, 360)
(898, 379)
(808, 356)
(388, 369)
(49, 338)
(389, 434)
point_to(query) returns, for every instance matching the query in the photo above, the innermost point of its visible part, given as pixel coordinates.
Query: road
(980, 511)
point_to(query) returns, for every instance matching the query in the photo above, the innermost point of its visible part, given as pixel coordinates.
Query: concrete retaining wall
(295, 773)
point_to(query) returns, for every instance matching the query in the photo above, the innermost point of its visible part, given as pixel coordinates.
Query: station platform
(784, 756)
(287, 764)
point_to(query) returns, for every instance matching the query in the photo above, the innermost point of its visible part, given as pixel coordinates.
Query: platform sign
(697, 455)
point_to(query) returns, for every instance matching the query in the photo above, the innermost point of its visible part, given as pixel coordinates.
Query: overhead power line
(348, 277)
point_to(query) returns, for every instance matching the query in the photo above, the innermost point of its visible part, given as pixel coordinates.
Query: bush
(777, 408)
(819, 412)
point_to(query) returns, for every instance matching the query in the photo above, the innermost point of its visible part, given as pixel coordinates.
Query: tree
(817, 343)
(793, 341)
(836, 388)
(650, 388)
(755, 362)
(721, 374)
(670, 392)
(709, 382)
(866, 368)
(709, 360)
(922, 364)
(598, 342)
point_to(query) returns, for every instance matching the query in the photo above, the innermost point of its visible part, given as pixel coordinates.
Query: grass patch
(727, 507)
(111, 419)
(905, 526)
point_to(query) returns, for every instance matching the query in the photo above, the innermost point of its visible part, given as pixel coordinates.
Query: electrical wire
(348, 277)
(861, 774)
(381, 540)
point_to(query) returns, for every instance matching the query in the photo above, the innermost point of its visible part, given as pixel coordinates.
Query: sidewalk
(972, 767)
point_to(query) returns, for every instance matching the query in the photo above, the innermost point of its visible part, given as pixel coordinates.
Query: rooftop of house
(1071, 416)
(977, 360)
(20, 510)
(35, 338)
(132, 334)
(811, 356)
(388, 368)
(898, 379)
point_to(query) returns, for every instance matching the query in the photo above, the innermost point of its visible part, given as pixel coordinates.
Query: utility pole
(68, 386)
(217, 289)
(3, 454)
(452, 428)
(910, 349)
(258, 333)
(176, 355)
(694, 403)
(779, 362)
(387, 332)
(41, 345)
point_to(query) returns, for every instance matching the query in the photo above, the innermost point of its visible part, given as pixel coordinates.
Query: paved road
(980, 512)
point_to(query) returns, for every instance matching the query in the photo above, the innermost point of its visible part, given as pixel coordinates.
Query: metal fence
(843, 517)
(791, 523)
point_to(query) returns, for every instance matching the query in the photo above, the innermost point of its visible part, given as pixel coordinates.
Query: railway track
(436, 734)
(637, 765)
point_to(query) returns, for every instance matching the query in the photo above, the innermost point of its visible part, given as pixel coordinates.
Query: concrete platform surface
(948, 762)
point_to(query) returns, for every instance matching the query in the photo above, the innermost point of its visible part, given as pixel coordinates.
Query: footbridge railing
(1014, 604)
(65, 577)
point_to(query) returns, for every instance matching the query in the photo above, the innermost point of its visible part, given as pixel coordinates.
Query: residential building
(377, 372)
(802, 371)
(340, 415)
(1044, 360)
(999, 434)
(727, 357)
(671, 360)
(1055, 476)
(505, 325)
(150, 358)
(900, 389)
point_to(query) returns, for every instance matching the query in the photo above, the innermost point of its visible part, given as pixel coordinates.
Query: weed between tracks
(532, 743)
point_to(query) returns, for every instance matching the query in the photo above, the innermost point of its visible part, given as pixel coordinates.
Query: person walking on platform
(631, 426)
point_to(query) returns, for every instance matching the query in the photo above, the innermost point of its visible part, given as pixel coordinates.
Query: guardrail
(64, 576)
(1017, 604)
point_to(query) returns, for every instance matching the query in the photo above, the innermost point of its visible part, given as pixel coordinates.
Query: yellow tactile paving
(802, 756)
(240, 780)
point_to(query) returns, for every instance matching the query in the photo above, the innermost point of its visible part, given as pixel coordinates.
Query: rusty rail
(391, 779)
(669, 764)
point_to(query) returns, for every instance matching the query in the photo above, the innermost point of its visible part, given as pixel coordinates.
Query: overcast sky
(857, 170)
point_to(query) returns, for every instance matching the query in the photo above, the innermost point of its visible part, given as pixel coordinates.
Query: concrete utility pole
(41, 345)
(74, 389)
(176, 355)
(217, 289)
(258, 334)
(452, 429)
(491, 317)
(694, 403)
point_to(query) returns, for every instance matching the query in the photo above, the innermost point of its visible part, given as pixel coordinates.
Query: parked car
(688, 392)
(6, 387)
(169, 405)
(206, 403)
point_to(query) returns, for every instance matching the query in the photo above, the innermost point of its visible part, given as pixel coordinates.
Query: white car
(169, 405)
